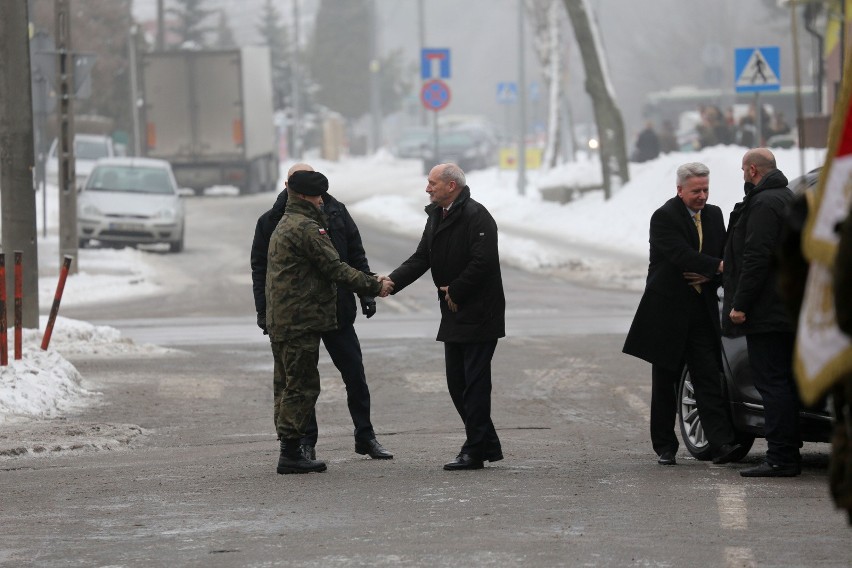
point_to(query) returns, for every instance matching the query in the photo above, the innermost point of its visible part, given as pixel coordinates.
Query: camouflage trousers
(297, 377)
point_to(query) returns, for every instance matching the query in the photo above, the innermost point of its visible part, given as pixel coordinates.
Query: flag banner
(823, 352)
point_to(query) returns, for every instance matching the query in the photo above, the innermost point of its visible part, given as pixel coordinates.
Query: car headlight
(167, 214)
(91, 211)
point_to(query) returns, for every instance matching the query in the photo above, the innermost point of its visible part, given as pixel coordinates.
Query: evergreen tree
(224, 35)
(344, 82)
(275, 36)
(191, 15)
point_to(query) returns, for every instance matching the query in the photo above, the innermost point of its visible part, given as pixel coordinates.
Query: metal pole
(65, 150)
(134, 89)
(421, 34)
(4, 338)
(796, 64)
(17, 158)
(19, 303)
(161, 27)
(375, 81)
(57, 298)
(294, 65)
(522, 105)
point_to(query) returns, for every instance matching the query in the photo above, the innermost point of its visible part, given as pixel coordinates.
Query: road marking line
(733, 513)
(739, 557)
(635, 402)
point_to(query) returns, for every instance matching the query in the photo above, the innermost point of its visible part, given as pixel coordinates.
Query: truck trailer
(209, 113)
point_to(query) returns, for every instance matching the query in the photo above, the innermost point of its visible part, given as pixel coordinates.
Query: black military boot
(292, 460)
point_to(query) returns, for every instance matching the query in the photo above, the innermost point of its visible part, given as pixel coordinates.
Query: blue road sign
(430, 59)
(435, 95)
(757, 69)
(507, 93)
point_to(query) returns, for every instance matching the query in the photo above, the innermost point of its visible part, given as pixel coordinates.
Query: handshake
(387, 286)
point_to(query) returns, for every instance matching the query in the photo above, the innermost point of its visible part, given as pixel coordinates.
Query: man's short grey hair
(452, 172)
(691, 170)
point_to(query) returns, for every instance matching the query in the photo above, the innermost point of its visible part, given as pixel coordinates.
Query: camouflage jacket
(303, 266)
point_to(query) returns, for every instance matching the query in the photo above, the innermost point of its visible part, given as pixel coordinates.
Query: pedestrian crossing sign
(757, 69)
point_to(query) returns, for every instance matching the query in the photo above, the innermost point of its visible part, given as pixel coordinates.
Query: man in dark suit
(677, 320)
(459, 245)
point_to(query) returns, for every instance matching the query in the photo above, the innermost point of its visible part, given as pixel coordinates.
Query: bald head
(300, 167)
(757, 162)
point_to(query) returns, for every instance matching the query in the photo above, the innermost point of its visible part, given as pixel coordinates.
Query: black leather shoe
(464, 461)
(373, 449)
(667, 458)
(726, 453)
(767, 469)
(309, 451)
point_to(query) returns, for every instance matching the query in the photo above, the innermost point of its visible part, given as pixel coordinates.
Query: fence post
(54, 310)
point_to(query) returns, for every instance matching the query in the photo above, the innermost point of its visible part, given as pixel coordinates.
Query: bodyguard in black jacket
(753, 307)
(459, 245)
(342, 344)
(677, 321)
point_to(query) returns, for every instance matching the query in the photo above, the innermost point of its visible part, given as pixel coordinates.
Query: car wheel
(176, 246)
(691, 430)
(83, 243)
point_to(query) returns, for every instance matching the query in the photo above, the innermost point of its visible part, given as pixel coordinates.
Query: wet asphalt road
(176, 465)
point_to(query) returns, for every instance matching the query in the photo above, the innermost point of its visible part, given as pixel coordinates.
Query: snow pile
(43, 384)
(105, 275)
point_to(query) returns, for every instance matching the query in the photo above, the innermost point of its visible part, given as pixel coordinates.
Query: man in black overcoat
(459, 245)
(677, 321)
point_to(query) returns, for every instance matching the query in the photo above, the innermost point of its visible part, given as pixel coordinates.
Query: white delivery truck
(209, 113)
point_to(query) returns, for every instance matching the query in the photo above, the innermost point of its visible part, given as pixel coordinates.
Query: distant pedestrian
(677, 321)
(647, 144)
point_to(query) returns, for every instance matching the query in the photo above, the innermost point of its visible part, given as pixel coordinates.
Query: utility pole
(17, 159)
(421, 34)
(134, 88)
(522, 104)
(375, 81)
(65, 138)
(294, 65)
(161, 26)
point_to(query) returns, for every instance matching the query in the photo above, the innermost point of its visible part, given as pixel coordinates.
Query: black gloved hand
(368, 307)
(261, 322)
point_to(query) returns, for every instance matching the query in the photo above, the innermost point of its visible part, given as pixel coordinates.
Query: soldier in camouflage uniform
(301, 303)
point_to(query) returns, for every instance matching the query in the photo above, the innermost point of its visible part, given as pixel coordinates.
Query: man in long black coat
(459, 245)
(342, 344)
(677, 320)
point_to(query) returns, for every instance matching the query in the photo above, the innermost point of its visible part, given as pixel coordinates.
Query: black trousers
(469, 382)
(771, 359)
(344, 348)
(702, 359)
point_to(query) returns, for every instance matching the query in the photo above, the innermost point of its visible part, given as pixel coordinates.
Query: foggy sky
(650, 45)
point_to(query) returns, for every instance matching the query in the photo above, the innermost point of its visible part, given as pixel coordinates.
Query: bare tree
(545, 17)
(613, 150)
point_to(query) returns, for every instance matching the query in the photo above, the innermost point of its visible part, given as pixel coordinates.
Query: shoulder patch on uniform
(321, 231)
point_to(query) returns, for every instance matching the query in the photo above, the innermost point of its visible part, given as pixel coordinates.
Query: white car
(131, 201)
(88, 149)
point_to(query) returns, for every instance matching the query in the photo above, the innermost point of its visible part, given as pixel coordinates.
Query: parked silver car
(131, 201)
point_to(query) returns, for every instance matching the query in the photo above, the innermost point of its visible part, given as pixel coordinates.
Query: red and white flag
(823, 351)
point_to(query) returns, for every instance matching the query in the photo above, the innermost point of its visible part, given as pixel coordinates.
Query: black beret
(308, 183)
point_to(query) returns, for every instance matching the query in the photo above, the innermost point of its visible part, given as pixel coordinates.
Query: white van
(88, 149)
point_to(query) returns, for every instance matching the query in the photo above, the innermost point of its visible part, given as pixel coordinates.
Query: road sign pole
(522, 105)
(758, 121)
